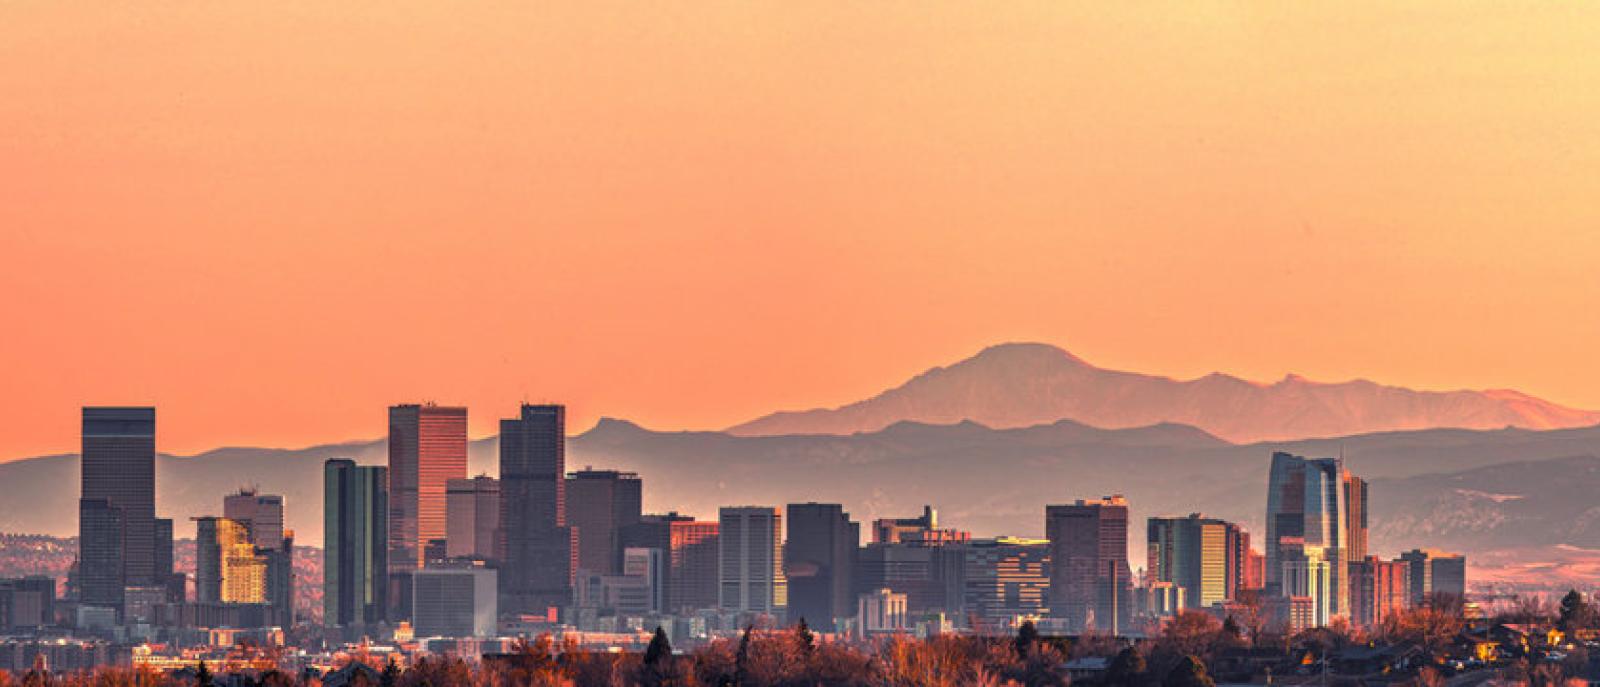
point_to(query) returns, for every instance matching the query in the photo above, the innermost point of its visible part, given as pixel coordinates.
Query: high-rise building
(27, 603)
(691, 548)
(1203, 556)
(355, 537)
(928, 575)
(817, 562)
(473, 511)
(1377, 589)
(456, 600)
(427, 449)
(119, 477)
(1005, 579)
(1434, 572)
(1089, 574)
(540, 549)
(1355, 501)
(750, 539)
(1308, 574)
(599, 503)
(228, 566)
(1307, 509)
(261, 517)
(261, 513)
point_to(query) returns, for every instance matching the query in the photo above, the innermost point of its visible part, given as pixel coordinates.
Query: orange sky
(272, 220)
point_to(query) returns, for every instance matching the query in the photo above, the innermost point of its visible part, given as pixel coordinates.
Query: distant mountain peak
(1021, 384)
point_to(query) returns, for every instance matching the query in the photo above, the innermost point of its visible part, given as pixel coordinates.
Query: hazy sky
(273, 220)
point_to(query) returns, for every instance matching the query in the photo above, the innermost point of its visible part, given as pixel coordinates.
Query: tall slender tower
(355, 517)
(540, 550)
(117, 510)
(1307, 521)
(427, 449)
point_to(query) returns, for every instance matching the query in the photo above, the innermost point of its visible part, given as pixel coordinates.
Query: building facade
(118, 480)
(355, 537)
(599, 503)
(472, 508)
(1307, 509)
(750, 560)
(1090, 577)
(427, 449)
(1005, 579)
(540, 556)
(818, 562)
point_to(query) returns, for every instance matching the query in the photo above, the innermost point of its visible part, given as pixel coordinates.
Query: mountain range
(1024, 384)
(1519, 498)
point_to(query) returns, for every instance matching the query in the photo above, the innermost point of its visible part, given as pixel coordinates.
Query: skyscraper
(750, 541)
(118, 474)
(691, 549)
(1089, 575)
(1202, 556)
(355, 537)
(1434, 572)
(817, 562)
(427, 449)
(540, 550)
(599, 503)
(473, 510)
(1355, 499)
(1377, 589)
(1005, 578)
(1307, 512)
(262, 516)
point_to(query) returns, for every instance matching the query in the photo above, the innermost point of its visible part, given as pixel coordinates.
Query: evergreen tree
(1189, 672)
(802, 634)
(202, 676)
(1127, 669)
(659, 651)
(1027, 636)
(1575, 612)
(741, 660)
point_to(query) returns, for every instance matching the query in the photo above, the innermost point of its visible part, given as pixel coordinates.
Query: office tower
(540, 550)
(1004, 579)
(473, 510)
(1306, 509)
(1308, 574)
(262, 517)
(1377, 589)
(355, 537)
(928, 575)
(880, 612)
(1435, 572)
(427, 449)
(750, 541)
(455, 600)
(817, 563)
(1355, 500)
(691, 548)
(262, 514)
(100, 554)
(119, 472)
(163, 549)
(599, 503)
(228, 567)
(1203, 556)
(1089, 573)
